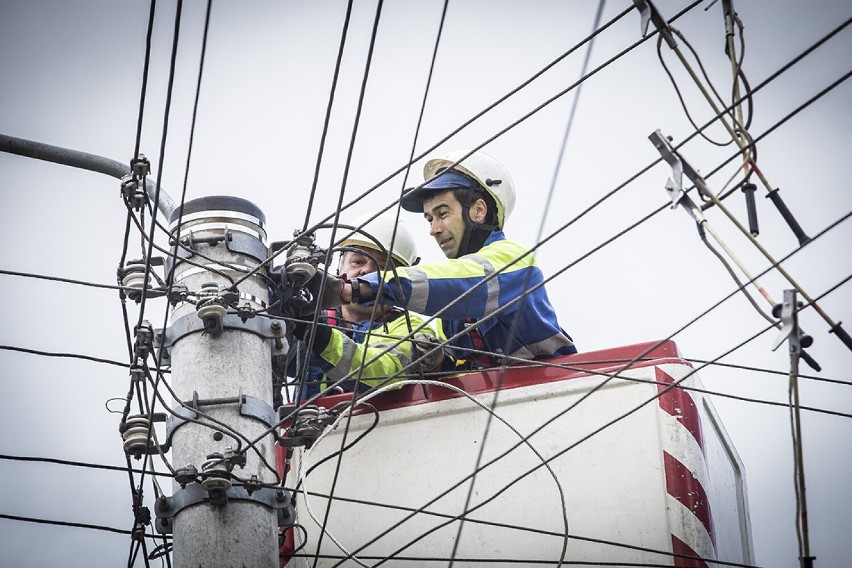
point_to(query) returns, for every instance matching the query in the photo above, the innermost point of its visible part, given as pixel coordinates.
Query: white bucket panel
(614, 480)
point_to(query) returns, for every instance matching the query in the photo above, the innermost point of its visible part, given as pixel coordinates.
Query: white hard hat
(491, 175)
(404, 250)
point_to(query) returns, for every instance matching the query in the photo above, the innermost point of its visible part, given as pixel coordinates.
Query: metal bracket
(649, 13)
(236, 242)
(191, 323)
(680, 166)
(250, 407)
(674, 185)
(167, 508)
(789, 322)
(307, 423)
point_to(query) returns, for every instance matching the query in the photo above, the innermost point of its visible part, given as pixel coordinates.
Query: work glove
(424, 343)
(322, 333)
(330, 297)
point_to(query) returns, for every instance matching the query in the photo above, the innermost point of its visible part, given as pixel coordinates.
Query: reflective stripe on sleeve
(492, 286)
(419, 289)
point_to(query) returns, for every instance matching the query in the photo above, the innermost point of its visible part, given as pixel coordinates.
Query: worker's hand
(422, 344)
(325, 290)
(301, 325)
(322, 332)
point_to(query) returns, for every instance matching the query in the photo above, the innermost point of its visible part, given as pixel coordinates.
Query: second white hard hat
(404, 251)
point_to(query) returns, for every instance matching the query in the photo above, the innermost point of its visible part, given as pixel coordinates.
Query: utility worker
(339, 353)
(466, 206)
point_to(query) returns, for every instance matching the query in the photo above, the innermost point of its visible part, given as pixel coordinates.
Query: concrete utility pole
(221, 366)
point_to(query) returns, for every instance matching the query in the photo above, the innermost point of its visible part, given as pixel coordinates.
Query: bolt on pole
(221, 366)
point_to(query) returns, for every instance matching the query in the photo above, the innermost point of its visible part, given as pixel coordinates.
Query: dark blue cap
(449, 179)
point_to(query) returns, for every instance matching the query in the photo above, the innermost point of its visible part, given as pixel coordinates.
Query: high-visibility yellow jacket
(339, 354)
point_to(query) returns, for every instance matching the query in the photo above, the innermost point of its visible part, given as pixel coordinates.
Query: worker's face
(443, 212)
(355, 264)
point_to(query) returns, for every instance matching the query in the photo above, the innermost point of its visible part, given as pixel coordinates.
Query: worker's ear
(478, 211)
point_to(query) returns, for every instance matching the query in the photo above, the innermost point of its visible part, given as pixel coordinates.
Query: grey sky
(70, 75)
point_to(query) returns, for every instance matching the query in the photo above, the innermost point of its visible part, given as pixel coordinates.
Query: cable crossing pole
(226, 509)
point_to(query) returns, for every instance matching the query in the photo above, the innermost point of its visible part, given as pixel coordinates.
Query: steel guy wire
(65, 280)
(327, 120)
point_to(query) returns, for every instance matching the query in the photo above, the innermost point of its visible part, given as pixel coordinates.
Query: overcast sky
(70, 75)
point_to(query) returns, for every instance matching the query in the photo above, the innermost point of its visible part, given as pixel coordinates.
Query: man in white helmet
(466, 206)
(341, 339)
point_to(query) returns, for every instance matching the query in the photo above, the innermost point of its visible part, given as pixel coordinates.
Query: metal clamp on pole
(167, 508)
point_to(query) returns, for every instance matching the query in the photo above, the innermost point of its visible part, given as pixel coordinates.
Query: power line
(72, 463)
(145, 69)
(329, 106)
(69, 355)
(767, 371)
(64, 280)
(65, 524)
